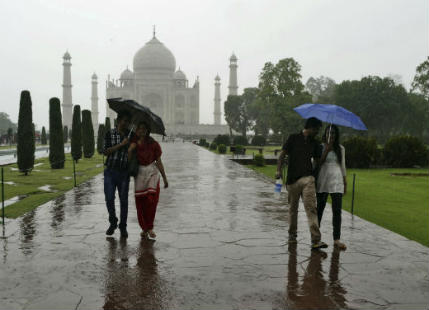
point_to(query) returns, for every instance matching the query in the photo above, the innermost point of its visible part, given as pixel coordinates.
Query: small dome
(217, 78)
(233, 57)
(154, 56)
(127, 75)
(67, 55)
(179, 75)
(94, 76)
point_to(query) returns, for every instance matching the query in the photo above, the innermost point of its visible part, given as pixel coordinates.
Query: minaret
(217, 101)
(94, 103)
(233, 87)
(67, 92)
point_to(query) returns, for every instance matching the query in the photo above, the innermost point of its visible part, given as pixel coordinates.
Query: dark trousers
(337, 201)
(116, 179)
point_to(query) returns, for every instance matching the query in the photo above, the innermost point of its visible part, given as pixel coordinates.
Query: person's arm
(328, 147)
(280, 161)
(343, 168)
(131, 149)
(160, 166)
(116, 147)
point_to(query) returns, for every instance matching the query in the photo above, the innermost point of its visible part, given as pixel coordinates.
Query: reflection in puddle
(27, 232)
(14, 199)
(47, 188)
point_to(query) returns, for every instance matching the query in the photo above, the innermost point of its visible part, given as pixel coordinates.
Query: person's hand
(165, 183)
(329, 145)
(345, 188)
(125, 142)
(278, 175)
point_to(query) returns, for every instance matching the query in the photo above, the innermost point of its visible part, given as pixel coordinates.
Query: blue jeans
(121, 180)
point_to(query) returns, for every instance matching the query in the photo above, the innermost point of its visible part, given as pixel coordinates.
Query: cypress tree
(107, 126)
(65, 134)
(56, 142)
(44, 140)
(76, 137)
(87, 134)
(100, 139)
(26, 143)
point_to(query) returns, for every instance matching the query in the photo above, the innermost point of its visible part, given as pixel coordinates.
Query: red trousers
(146, 209)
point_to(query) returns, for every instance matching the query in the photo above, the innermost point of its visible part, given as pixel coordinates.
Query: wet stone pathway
(221, 245)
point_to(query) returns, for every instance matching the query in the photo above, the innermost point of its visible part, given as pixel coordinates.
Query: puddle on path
(14, 199)
(47, 188)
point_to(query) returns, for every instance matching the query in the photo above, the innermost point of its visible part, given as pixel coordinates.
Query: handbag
(133, 165)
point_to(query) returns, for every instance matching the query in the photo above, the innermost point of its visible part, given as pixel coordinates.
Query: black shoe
(111, 229)
(124, 233)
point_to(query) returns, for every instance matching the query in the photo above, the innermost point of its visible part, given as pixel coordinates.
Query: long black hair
(336, 145)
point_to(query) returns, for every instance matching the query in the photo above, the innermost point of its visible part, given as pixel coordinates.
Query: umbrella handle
(131, 130)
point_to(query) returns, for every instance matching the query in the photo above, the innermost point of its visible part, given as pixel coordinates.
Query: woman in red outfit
(147, 181)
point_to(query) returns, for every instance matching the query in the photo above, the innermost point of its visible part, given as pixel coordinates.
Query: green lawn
(398, 203)
(61, 180)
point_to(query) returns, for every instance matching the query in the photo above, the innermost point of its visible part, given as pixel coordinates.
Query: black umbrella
(138, 113)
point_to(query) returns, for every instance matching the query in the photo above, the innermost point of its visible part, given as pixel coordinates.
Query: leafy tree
(281, 89)
(65, 134)
(321, 89)
(10, 135)
(76, 138)
(6, 123)
(44, 140)
(87, 134)
(107, 126)
(26, 142)
(379, 102)
(236, 114)
(420, 83)
(56, 135)
(100, 139)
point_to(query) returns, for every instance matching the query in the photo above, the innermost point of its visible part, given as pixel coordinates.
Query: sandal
(151, 234)
(143, 234)
(340, 245)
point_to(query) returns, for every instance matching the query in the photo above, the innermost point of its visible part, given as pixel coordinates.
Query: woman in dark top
(147, 181)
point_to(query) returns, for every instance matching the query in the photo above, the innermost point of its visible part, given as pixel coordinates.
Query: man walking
(301, 148)
(116, 174)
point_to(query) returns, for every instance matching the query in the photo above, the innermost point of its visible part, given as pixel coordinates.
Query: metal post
(74, 173)
(353, 193)
(2, 194)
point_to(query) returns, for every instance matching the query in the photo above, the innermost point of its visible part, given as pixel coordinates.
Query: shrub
(240, 140)
(87, 134)
(56, 135)
(213, 146)
(259, 160)
(222, 139)
(76, 137)
(65, 134)
(26, 143)
(239, 150)
(221, 148)
(259, 140)
(360, 152)
(100, 139)
(44, 139)
(202, 142)
(404, 152)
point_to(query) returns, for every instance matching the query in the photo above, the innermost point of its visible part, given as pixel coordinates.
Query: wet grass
(398, 203)
(266, 150)
(61, 180)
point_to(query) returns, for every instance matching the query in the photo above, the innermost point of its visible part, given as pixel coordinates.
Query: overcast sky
(341, 39)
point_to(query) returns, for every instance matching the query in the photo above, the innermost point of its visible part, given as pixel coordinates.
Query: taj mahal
(156, 82)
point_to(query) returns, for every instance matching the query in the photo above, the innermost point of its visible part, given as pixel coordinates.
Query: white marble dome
(154, 56)
(127, 75)
(179, 75)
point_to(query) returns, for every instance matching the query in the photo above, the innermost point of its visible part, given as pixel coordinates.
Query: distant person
(116, 174)
(147, 181)
(332, 180)
(301, 148)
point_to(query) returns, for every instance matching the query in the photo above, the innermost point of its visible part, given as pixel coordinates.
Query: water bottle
(278, 187)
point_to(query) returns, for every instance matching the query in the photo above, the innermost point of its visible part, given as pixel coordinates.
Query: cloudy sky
(341, 39)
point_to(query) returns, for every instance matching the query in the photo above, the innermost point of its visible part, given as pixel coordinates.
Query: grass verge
(60, 181)
(398, 203)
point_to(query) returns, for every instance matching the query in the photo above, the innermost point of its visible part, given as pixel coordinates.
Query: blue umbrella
(331, 113)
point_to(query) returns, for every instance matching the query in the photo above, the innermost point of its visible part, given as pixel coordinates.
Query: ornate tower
(67, 92)
(233, 87)
(217, 101)
(94, 102)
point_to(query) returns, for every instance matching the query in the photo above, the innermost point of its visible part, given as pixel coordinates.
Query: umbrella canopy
(139, 113)
(331, 113)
